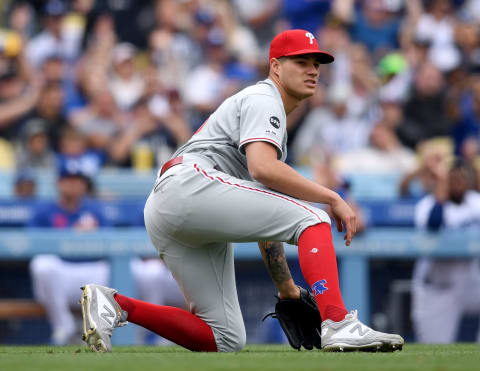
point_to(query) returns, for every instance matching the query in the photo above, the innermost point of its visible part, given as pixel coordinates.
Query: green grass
(254, 357)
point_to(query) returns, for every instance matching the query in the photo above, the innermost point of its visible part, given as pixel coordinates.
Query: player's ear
(274, 66)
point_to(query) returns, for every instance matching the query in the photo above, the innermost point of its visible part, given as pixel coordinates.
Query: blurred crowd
(92, 84)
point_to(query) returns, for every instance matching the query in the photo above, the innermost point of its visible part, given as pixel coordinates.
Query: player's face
(299, 75)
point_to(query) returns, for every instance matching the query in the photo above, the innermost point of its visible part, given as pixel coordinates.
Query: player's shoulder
(264, 87)
(259, 91)
(261, 96)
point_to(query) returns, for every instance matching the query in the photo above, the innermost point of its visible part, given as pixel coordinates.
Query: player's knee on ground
(233, 343)
(231, 339)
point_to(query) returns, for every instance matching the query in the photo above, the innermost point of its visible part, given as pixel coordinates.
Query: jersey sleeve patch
(261, 119)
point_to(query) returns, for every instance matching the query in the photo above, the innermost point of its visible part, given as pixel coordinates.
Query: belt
(167, 165)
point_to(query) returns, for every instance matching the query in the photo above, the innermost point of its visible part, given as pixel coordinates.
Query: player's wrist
(333, 198)
(288, 290)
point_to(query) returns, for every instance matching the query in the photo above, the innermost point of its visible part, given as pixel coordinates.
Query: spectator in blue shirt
(72, 209)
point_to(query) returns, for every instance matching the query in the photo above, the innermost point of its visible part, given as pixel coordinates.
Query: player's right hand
(344, 213)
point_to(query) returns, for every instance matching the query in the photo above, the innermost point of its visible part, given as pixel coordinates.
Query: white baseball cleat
(350, 334)
(101, 314)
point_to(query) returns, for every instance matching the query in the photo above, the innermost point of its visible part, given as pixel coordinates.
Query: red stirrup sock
(174, 324)
(318, 263)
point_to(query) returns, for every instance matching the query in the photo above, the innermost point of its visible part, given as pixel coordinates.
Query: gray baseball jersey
(254, 114)
(198, 207)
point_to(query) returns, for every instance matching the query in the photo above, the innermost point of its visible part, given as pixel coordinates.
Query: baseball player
(229, 183)
(443, 290)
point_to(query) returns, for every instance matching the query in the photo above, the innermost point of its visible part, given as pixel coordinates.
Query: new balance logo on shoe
(105, 308)
(107, 315)
(361, 331)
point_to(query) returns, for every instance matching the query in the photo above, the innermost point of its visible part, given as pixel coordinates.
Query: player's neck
(290, 102)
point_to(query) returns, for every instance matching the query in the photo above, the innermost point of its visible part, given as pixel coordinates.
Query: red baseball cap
(296, 42)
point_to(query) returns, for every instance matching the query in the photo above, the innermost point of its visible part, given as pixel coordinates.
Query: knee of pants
(231, 340)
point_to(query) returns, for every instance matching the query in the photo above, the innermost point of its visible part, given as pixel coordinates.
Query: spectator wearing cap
(73, 208)
(53, 40)
(34, 149)
(125, 82)
(75, 153)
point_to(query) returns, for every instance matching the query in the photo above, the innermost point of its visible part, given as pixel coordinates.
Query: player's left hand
(300, 320)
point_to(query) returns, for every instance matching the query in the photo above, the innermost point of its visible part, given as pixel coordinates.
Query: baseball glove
(300, 320)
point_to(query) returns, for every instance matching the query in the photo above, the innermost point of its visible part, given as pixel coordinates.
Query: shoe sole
(372, 347)
(90, 334)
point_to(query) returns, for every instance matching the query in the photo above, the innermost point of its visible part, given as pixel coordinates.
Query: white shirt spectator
(372, 160)
(323, 131)
(464, 215)
(439, 32)
(126, 92)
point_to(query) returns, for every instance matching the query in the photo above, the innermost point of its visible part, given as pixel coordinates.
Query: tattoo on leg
(275, 261)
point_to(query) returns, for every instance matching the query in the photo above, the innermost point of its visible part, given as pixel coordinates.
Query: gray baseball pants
(193, 214)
